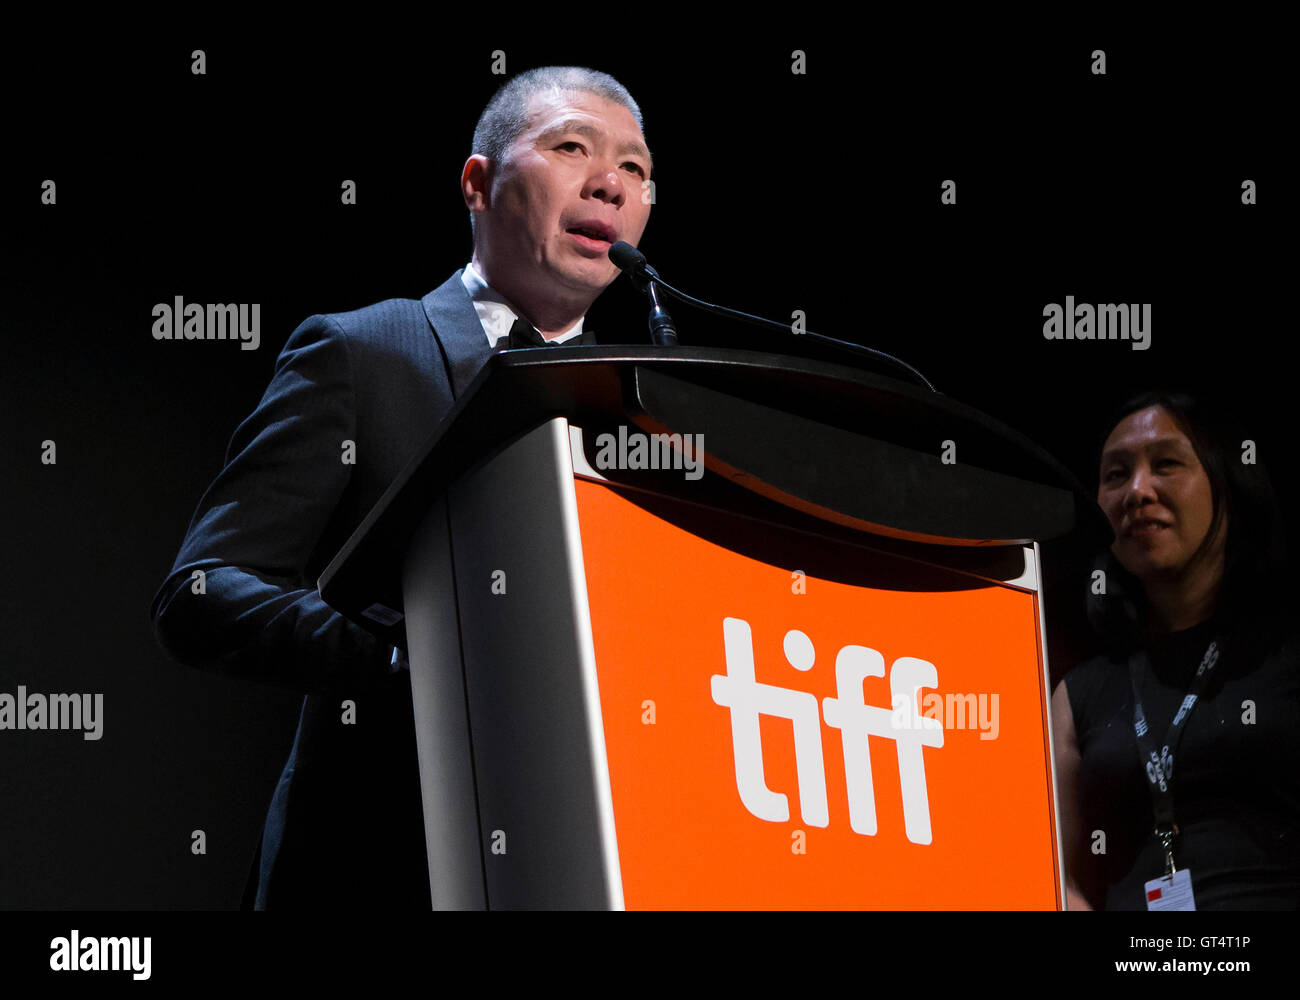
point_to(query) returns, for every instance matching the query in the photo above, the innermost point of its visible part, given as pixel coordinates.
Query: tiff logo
(747, 699)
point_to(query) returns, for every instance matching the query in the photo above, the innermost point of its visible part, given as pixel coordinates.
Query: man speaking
(556, 176)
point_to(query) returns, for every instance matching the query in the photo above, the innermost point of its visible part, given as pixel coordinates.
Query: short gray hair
(506, 115)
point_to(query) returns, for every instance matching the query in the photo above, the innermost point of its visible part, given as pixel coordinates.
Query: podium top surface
(855, 448)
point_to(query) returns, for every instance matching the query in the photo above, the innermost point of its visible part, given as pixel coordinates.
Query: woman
(1203, 779)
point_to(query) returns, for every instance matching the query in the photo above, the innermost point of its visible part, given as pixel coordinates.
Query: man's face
(567, 188)
(1156, 495)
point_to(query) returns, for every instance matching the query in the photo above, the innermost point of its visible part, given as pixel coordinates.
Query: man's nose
(607, 185)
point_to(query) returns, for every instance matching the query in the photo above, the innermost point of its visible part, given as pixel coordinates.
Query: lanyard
(1159, 767)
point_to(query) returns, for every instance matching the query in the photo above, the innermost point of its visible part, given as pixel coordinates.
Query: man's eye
(569, 145)
(1114, 475)
(635, 168)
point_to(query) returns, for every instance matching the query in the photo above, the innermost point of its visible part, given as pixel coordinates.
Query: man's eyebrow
(591, 132)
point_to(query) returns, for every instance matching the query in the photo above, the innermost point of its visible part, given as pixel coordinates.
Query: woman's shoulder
(1092, 685)
(1093, 670)
(1270, 645)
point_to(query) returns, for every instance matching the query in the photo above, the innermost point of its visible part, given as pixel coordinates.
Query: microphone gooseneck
(628, 258)
(663, 332)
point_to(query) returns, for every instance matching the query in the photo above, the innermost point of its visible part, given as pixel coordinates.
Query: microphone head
(626, 257)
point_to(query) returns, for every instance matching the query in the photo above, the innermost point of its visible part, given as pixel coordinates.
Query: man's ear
(475, 182)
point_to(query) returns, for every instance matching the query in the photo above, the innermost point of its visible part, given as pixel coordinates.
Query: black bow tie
(523, 334)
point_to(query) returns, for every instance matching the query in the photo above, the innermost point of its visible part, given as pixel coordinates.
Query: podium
(705, 628)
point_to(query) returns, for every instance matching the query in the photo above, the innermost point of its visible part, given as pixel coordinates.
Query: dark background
(775, 192)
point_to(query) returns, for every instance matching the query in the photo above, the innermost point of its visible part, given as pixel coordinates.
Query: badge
(1171, 892)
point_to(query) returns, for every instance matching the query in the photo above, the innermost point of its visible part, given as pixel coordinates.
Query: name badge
(1171, 892)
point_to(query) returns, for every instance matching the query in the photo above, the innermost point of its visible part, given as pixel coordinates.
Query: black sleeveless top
(1236, 781)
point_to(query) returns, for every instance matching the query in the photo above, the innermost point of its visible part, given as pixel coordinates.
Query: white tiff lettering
(748, 700)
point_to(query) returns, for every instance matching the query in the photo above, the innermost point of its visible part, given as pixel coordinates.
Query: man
(556, 176)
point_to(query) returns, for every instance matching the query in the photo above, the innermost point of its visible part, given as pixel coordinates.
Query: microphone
(663, 332)
(628, 258)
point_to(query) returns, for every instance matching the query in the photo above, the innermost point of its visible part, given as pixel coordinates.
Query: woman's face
(1156, 495)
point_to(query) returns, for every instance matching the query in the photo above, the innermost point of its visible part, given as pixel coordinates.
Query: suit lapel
(457, 328)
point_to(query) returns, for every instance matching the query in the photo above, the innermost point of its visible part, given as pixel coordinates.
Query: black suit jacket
(345, 826)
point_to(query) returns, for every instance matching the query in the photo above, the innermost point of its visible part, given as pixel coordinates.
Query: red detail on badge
(1153, 894)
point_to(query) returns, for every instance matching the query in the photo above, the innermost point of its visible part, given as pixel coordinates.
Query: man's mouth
(594, 232)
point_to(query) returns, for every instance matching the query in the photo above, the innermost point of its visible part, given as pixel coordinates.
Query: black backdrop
(774, 192)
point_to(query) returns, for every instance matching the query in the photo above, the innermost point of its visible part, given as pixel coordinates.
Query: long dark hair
(1256, 582)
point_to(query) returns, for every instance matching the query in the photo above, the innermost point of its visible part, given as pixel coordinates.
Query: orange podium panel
(778, 739)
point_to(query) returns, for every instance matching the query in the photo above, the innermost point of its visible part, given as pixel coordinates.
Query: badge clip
(1166, 833)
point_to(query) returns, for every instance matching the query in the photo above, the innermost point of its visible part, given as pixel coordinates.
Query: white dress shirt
(496, 314)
